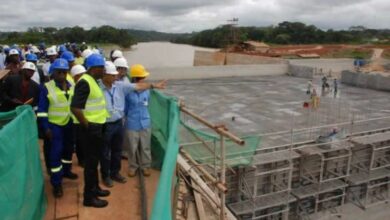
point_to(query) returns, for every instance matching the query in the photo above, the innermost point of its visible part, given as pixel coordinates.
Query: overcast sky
(191, 15)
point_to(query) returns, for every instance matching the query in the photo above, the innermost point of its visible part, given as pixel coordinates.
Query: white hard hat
(13, 52)
(121, 62)
(96, 51)
(35, 49)
(29, 66)
(110, 68)
(77, 69)
(51, 51)
(117, 54)
(86, 53)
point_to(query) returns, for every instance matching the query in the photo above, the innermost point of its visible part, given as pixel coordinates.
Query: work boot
(95, 202)
(57, 191)
(119, 178)
(101, 192)
(70, 175)
(146, 172)
(132, 173)
(107, 181)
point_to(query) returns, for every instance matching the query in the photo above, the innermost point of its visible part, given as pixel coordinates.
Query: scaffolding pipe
(223, 178)
(206, 174)
(219, 129)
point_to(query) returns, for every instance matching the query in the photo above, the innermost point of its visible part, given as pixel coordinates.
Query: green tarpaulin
(21, 178)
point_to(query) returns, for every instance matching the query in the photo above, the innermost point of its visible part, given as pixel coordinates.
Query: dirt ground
(124, 201)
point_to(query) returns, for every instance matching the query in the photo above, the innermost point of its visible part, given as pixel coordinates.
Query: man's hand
(49, 134)
(30, 101)
(160, 85)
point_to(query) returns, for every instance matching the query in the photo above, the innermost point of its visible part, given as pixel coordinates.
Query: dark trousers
(110, 163)
(92, 143)
(77, 139)
(60, 150)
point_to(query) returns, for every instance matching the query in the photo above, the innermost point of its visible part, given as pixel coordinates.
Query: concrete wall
(301, 71)
(208, 58)
(204, 72)
(325, 65)
(238, 59)
(365, 80)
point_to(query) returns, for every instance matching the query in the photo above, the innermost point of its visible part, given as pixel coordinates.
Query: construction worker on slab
(89, 107)
(77, 71)
(115, 92)
(55, 118)
(138, 125)
(19, 89)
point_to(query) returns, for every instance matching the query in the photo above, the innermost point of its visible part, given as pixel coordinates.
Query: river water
(162, 54)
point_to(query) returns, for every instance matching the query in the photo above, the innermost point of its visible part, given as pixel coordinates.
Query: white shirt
(36, 77)
(45, 68)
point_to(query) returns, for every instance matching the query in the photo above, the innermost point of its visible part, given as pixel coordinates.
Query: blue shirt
(115, 99)
(137, 113)
(43, 105)
(2, 60)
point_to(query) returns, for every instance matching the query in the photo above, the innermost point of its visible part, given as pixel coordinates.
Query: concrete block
(301, 71)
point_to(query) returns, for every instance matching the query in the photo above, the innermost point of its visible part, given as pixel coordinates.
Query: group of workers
(87, 105)
(325, 89)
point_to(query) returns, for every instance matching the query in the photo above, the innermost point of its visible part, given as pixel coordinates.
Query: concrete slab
(264, 104)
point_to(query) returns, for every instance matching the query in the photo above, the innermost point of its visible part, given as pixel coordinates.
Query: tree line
(283, 33)
(52, 35)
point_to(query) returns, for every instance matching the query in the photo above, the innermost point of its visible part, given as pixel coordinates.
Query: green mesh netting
(21, 178)
(235, 154)
(165, 114)
(166, 128)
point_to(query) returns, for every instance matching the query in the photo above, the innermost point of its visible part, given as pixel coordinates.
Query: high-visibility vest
(95, 108)
(70, 79)
(59, 106)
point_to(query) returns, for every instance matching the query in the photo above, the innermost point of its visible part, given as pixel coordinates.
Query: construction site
(242, 140)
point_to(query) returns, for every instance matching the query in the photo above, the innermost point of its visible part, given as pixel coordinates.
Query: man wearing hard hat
(19, 89)
(55, 119)
(138, 124)
(115, 92)
(51, 55)
(13, 62)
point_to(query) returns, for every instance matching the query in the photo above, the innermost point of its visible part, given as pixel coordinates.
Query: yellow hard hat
(138, 70)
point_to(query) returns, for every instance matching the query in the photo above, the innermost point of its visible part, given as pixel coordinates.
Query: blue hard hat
(31, 57)
(67, 55)
(62, 48)
(59, 64)
(94, 60)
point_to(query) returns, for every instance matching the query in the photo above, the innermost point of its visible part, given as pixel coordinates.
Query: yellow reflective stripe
(60, 105)
(51, 89)
(58, 113)
(42, 115)
(66, 161)
(56, 169)
(93, 108)
(97, 100)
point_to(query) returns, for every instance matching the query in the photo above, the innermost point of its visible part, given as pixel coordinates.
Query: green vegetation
(145, 36)
(284, 33)
(51, 35)
(350, 53)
